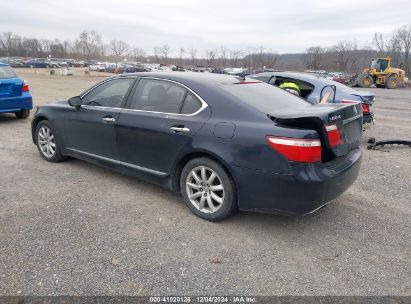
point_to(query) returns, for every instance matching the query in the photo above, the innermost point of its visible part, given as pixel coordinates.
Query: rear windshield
(265, 97)
(7, 72)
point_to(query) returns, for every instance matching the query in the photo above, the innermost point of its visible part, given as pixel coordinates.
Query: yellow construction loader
(381, 74)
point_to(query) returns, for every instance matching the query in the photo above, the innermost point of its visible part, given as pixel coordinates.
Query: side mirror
(75, 102)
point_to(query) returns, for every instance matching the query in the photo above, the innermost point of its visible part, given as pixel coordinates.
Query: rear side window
(191, 104)
(7, 72)
(305, 87)
(264, 97)
(158, 96)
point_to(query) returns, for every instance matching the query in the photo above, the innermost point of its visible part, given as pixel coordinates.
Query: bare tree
(210, 56)
(164, 50)
(223, 55)
(89, 44)
(182, 51)
(404, 35)
(379, 42)
(156, 51)
(313, 58)
(345, 54)
(193, 54)
(235, 56)
(119, 48)
(138, 54)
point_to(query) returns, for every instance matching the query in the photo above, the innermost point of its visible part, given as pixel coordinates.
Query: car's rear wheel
(23, 113)
(47, 142)
(208, 190)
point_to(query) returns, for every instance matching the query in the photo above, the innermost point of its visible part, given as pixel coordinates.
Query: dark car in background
(224, 143)
(15, 96)
(313, 88)
(37, 63)
(344, 78)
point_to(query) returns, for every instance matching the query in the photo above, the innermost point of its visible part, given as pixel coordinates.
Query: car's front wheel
(208, 190)
(47, 142)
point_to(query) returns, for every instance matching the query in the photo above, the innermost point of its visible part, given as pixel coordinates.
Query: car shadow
(245, 220)
(6, 118)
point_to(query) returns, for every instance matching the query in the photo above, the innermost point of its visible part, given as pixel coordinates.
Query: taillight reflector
(296, 149)
(365, 108)
(333, 135)
(25, 87)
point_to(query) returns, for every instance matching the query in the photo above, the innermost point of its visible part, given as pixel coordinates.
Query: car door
(161, 117)
(90, 130)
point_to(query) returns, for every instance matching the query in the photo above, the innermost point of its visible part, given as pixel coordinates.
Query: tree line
(344, 56)
(347, 56)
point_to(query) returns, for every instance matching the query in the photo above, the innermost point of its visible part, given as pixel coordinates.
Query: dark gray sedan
(225, 144)
(313, 88)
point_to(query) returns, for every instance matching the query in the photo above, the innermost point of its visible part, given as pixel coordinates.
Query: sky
(283, 26)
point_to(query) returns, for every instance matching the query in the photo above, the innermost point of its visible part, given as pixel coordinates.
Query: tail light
(25, 87)
(365, 108)
(333, 135)
(296, 149)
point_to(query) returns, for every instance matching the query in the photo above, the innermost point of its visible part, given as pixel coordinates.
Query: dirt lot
(74, 228)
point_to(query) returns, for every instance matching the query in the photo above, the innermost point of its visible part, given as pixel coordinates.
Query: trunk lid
(10, 87)
(347, 118)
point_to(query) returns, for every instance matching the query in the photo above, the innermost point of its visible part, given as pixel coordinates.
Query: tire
(211, 205)
(22, 114)
(365, 81)
(46, 138)
(392, 82)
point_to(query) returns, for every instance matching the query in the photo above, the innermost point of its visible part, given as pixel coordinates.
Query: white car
(98, 67)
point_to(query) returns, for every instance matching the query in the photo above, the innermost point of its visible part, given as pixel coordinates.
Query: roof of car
(299, 75)
(189, 76)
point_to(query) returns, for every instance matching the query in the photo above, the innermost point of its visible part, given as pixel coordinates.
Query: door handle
(179, 129)
(109, 119)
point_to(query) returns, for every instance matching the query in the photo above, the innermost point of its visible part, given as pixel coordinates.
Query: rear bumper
(15, 104)
(368, 118)
(308, 189)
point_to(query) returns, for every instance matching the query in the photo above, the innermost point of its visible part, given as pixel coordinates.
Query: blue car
(38, 63)
(15, 96)
(223, 143)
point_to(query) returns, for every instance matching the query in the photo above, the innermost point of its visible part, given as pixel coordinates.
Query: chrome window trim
(203, 103)
(117, 162)
(101, 83)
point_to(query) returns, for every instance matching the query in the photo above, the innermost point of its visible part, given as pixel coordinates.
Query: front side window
(158, 96)
(109, 94)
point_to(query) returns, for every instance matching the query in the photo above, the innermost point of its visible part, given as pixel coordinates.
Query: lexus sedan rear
(225, 144)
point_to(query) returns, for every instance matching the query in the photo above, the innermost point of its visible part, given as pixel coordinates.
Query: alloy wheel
(46, 142)
(205, 189)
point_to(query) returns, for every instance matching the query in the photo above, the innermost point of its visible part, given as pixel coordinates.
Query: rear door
(90, 130)
(161, 117)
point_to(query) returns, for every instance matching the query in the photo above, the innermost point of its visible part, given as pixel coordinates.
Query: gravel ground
(75, 228)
